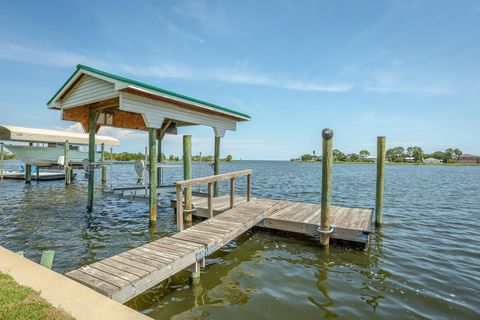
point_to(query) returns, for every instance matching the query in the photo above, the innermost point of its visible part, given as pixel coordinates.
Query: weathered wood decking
(351, 224)
(128, 274)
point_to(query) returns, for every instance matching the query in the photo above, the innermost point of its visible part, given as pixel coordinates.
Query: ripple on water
(424, 263)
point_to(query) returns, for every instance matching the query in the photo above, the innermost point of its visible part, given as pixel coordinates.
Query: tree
(338, 155)
(364, 154)
(353, 157)
(457, 152)
(229, 158)
(396, 154)
(448, 155)
(171, 158)
(417, 154)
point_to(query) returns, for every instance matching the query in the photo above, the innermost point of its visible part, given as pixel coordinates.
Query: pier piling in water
(216, 164)
(65, 163)
(28, 173)
(159, 158)
(104, 167)
(380, 181)
(2, 158)
(327, 159)
(92, 120)
(187, 175)
(152, 159)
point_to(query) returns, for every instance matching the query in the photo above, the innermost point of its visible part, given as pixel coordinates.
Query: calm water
(424, 263)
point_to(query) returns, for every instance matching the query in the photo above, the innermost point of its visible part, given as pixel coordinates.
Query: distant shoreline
(401, 163)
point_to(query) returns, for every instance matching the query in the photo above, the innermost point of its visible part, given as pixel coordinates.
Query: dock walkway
(128, 274)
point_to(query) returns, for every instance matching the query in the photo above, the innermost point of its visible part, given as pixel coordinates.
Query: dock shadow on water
(423, 263)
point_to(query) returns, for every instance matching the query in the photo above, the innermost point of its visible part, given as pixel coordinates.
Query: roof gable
(124, 83)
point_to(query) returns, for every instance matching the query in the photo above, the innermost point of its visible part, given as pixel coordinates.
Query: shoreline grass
(18, 302)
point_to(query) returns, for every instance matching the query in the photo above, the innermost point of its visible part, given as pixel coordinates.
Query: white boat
(52, 151)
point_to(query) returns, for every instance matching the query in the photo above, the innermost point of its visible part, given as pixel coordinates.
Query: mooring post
(152, 159)
(104, 167)
(381, 142)
(28, 173)
(65, 163)
(187, 175)
(327, 159)
(2, 158)
(216, 165)
(92, 119)
(38, 173)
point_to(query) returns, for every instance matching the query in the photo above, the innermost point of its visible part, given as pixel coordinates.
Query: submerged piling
(327, 159)
(2, 158)
(187, 175)
(104, 167)
(381, 141)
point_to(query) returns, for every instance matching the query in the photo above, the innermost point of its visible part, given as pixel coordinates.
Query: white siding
(89, 90)
(154, 112)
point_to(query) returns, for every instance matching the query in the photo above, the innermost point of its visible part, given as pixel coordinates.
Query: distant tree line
(127, 156)
(396, 154)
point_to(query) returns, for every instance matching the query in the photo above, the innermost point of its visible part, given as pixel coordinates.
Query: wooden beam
(220, 177)
(327, 160)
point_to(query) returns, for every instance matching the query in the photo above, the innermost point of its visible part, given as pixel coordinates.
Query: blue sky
(405, 69)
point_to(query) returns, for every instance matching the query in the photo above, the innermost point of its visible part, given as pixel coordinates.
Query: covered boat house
(96, 98)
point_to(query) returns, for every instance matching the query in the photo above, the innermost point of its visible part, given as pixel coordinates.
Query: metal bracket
(331, 230)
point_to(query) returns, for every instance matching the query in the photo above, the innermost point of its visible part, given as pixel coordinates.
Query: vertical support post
(91, 157)
(381, 141)
(327, 159)
(65, 163)
(159, 158)
(104, 167)
(216, 164)
(194, 270)
(152, 145)
(187, 174)
(210, 200)
(249, 187)
(2, 158)
(232, 193)
(28, 173)
(38, 173)
(179, 208)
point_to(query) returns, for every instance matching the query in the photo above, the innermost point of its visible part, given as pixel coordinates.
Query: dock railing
(180, 185)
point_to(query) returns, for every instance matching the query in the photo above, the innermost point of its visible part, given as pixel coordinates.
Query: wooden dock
(126, 275)
(351, 224)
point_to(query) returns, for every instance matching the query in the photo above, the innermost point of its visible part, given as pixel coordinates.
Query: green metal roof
(148, 87)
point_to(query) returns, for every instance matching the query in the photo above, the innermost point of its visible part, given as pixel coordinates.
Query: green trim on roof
(149, 87)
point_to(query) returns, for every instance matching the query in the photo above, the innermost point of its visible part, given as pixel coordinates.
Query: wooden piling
(65, 163)
(381, 142)
(93, 117)
(104, 167)
(2, 159)
(152, 145)
(28, 173)
(216, 164)
(187, 175)
(232, 193)
(159, 159)
(327, 159)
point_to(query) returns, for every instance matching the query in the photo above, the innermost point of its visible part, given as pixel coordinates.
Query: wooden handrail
(209, 181)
